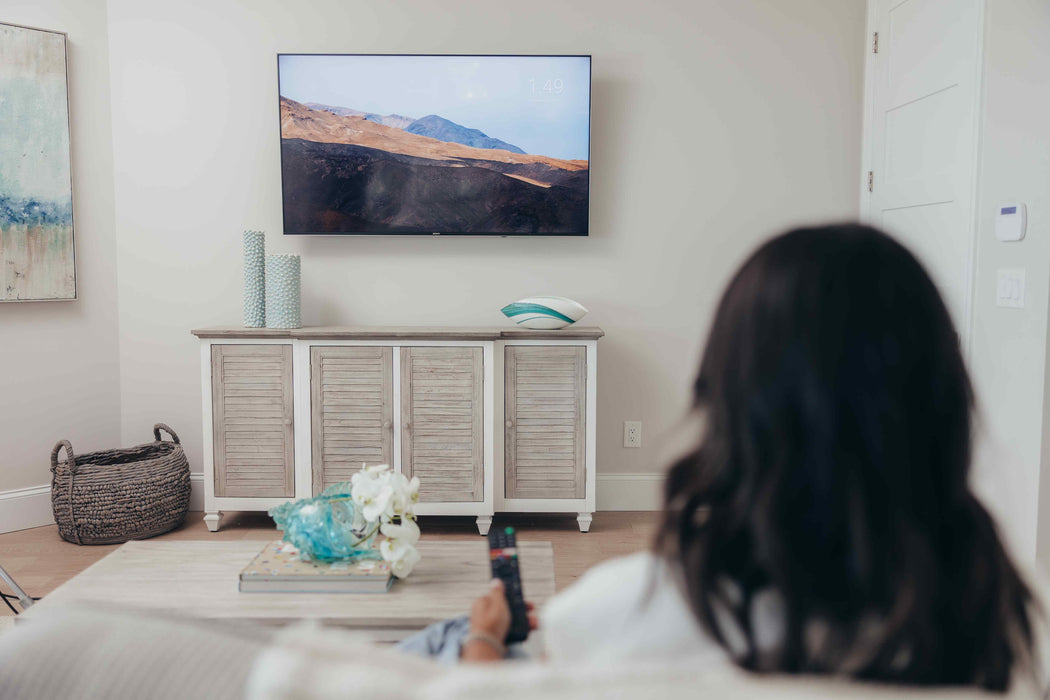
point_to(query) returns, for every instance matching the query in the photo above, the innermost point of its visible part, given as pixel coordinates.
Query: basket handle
(159, 427)
(71, 463)
(70, 460)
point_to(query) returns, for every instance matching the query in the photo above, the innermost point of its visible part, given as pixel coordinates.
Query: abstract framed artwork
(36, 192)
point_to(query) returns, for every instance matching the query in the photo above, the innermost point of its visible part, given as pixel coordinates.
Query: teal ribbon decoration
(516, 309)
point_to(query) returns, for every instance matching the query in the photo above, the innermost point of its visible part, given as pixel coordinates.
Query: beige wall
(58, 360)
(1009, 345)
(714, 124)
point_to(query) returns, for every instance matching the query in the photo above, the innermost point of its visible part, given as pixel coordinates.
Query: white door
(922, 101)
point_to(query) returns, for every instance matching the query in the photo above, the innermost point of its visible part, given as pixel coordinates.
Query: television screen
(412, 144)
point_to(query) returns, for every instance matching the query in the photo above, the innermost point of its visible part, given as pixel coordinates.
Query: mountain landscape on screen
(351, 171)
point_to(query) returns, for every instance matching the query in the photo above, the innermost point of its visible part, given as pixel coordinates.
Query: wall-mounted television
(435, 144)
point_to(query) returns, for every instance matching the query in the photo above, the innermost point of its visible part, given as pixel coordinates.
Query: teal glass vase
(324, 528)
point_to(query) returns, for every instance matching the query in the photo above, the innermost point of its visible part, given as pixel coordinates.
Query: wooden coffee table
(199, 578)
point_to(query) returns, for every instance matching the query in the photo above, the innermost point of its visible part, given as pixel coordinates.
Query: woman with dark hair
(824, 524)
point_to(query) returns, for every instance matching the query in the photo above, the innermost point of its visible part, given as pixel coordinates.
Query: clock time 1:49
(550, 86)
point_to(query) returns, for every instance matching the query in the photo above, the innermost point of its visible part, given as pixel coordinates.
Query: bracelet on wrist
(487, 639)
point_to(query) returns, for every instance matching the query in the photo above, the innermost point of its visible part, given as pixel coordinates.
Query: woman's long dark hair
(832, 475)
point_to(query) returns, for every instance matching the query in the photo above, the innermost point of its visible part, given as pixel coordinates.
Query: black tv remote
(503, 556)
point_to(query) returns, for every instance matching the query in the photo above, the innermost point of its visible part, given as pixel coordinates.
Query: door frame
(867, 143)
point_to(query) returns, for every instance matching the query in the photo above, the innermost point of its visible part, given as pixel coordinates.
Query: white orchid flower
(382, 496)
(399, 547)
(369, 472)
(363, 492)
(403, 566)
(380, 505)
(406, 495)
(406, 532)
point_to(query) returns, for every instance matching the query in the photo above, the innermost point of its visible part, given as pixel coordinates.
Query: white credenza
(490, 419)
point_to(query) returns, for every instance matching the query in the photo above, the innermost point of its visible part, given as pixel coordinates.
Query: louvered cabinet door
(253, 434)
(351, 411)
(442, 422)
(545, 409)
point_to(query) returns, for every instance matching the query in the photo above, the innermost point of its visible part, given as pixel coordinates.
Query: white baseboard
(630, 491)
(196, 491)
(21, 509)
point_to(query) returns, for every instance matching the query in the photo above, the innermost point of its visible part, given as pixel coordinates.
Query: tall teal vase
(254, 279)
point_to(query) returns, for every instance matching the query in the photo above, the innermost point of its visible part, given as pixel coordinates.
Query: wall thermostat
(1010, 221)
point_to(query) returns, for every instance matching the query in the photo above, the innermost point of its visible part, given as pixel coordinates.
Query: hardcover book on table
(278, 569)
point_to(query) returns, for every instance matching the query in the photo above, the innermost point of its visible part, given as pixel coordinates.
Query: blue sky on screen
(514, 98)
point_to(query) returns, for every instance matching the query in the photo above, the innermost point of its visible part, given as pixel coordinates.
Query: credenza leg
(584, 519)
(484, 523)
(211, 520)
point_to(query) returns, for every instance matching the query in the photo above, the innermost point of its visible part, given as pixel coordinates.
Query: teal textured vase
(254, 279)
(323, 527)
(282, 291)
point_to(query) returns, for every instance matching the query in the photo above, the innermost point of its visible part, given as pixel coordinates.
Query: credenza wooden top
(401, 333)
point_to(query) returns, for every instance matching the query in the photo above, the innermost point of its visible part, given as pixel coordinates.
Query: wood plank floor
(40, 561)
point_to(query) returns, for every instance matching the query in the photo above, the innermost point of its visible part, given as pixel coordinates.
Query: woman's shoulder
(625, 607)
(618, 572)
(619, 580)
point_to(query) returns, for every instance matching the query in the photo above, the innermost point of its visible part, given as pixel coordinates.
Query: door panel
(352, 411)
(923, 145)
(254, 437)
(442, 415)
(926, 39)
(931, 232)
(545, 410)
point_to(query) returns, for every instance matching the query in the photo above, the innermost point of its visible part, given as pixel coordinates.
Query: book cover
(278, 569)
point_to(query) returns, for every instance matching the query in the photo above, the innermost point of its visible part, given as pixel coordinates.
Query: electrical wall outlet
(632, 433)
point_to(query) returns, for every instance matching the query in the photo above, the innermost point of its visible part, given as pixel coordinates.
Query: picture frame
(37, 242)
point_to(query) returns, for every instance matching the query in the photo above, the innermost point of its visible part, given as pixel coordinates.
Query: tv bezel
(486, 234)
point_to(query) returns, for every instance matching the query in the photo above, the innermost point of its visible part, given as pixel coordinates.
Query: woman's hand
(490, 619)
(490, 613)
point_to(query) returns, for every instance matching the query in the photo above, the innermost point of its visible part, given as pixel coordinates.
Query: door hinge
(875, 43)
(871, 181)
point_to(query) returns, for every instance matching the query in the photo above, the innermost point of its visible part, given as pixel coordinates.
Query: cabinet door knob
(287, 421)
(386, 425)
(510, 423)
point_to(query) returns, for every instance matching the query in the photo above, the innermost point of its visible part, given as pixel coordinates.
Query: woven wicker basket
(119, 495)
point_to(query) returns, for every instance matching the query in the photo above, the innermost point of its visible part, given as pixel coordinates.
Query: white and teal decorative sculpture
(282, 291)
(254, 276)
(544, 313)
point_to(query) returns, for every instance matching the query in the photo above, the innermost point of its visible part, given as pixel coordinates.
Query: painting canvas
(403, 144)
(36, 195)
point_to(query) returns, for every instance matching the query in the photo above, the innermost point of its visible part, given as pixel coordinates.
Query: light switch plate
(1009, 288)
